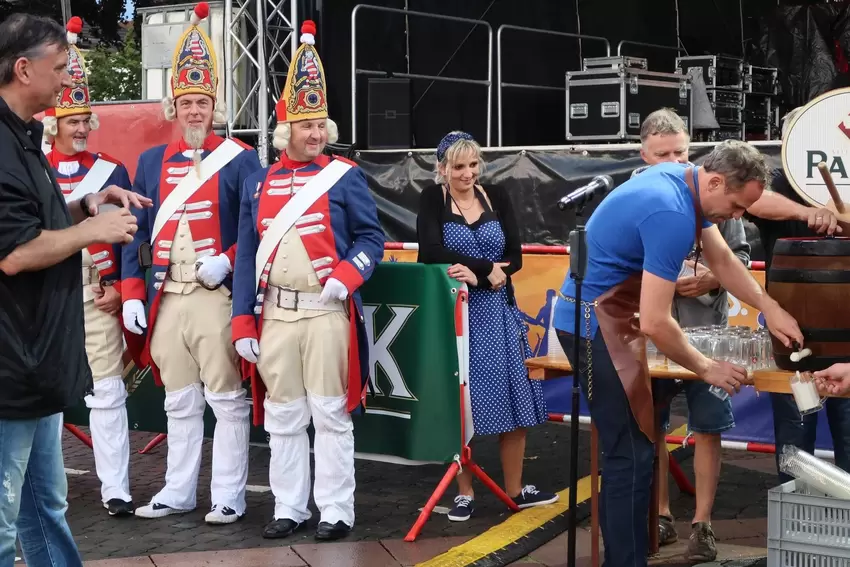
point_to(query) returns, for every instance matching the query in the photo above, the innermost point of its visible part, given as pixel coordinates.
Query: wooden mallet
(833, 190)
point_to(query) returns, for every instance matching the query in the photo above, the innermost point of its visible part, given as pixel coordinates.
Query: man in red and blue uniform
(191, 230)
(308, 238)
(80, 172)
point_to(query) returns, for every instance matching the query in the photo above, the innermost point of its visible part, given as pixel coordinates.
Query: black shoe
(118, 507)
(530, 496)
(277, 529)
(462, 510)
(329, 532)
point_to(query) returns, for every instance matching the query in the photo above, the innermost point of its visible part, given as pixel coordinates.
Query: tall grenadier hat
(73, 100)
(194, 66)
(304, 93)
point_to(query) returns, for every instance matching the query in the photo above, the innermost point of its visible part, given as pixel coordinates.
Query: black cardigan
(429, 233)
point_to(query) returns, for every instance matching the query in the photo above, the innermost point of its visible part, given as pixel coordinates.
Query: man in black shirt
(772, 230)
(43, 365)
(789, 428)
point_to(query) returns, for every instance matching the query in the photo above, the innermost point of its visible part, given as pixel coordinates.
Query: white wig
(284, 131)
(170, 110)
(51, 124)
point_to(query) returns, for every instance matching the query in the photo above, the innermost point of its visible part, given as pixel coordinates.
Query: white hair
(788, 119)
(169, 110)
(284, 131)
(51, 125)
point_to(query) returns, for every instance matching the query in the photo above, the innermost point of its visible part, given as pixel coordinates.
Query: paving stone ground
(388, 499)
(739, 517)
(739, 523)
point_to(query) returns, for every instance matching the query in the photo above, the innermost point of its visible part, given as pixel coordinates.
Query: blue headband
(449, 140)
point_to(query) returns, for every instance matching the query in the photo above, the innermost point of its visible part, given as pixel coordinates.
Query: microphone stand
(578, 266)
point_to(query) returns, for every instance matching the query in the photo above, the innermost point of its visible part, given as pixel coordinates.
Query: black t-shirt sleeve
(19, 214)
(778, 184)
(771, 230)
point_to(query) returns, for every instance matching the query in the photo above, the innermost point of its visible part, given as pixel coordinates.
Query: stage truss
(260, 40)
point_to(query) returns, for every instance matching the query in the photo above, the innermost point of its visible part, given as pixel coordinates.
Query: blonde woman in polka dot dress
(474, 230)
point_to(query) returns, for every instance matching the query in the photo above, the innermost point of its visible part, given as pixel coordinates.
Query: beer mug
(806, 393)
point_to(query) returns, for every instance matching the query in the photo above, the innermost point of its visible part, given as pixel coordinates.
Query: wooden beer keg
(810, 279)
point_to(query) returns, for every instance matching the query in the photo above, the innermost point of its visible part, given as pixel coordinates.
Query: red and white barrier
(528, 249)
(689, 440)
(746, 446)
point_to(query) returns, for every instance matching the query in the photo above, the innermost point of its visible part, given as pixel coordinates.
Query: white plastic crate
(807, 528)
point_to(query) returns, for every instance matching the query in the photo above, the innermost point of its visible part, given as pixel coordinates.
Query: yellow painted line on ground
(517, 525)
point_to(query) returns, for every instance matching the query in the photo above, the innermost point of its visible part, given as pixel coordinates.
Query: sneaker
(701, 546)
(462, 509)
(156, 510)
(530, 496)
(118, 507)
(221, 515)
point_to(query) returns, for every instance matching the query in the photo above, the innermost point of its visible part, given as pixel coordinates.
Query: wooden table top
(773, 380)
(770, 380)
(778, 381)
(551, 365)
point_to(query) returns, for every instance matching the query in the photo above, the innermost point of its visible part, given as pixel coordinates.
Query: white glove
(212, 270)
(133, 314)
(248, 348)
(334, 289)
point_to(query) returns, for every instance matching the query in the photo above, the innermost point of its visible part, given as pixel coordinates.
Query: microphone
(585, 193)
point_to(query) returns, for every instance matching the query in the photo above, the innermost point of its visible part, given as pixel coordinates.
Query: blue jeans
(627, 458)
(789, 429)
(33, 492)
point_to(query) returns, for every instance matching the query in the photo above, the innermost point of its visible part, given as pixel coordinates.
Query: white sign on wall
(819, 132)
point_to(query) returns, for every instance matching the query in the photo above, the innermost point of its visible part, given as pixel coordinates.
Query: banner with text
(413, 313)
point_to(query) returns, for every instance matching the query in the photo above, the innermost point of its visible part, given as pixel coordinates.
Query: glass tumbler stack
(739, 345)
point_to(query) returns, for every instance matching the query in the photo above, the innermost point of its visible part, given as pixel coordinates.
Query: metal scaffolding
(256, 58)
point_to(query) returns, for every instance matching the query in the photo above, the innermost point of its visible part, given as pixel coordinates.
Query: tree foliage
(102, 16)
(115, 74)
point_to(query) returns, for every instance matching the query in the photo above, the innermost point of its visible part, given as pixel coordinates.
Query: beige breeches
(191, 342)
(104, 342)
(309, 355)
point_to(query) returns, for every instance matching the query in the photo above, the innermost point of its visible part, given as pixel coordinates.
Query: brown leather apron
(616, 311)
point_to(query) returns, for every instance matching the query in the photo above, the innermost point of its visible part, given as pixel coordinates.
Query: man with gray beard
(191, 230)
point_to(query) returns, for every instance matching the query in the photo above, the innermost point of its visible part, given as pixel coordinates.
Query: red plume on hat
(308, 32)
(200, 13)
(74, 28)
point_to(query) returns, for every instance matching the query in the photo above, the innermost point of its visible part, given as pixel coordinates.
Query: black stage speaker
(389, 114)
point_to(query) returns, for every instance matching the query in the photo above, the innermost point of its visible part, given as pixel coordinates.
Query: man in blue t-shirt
(700, 300)
(638, 237)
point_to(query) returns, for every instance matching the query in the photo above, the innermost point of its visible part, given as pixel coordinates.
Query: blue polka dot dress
(503, 397)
